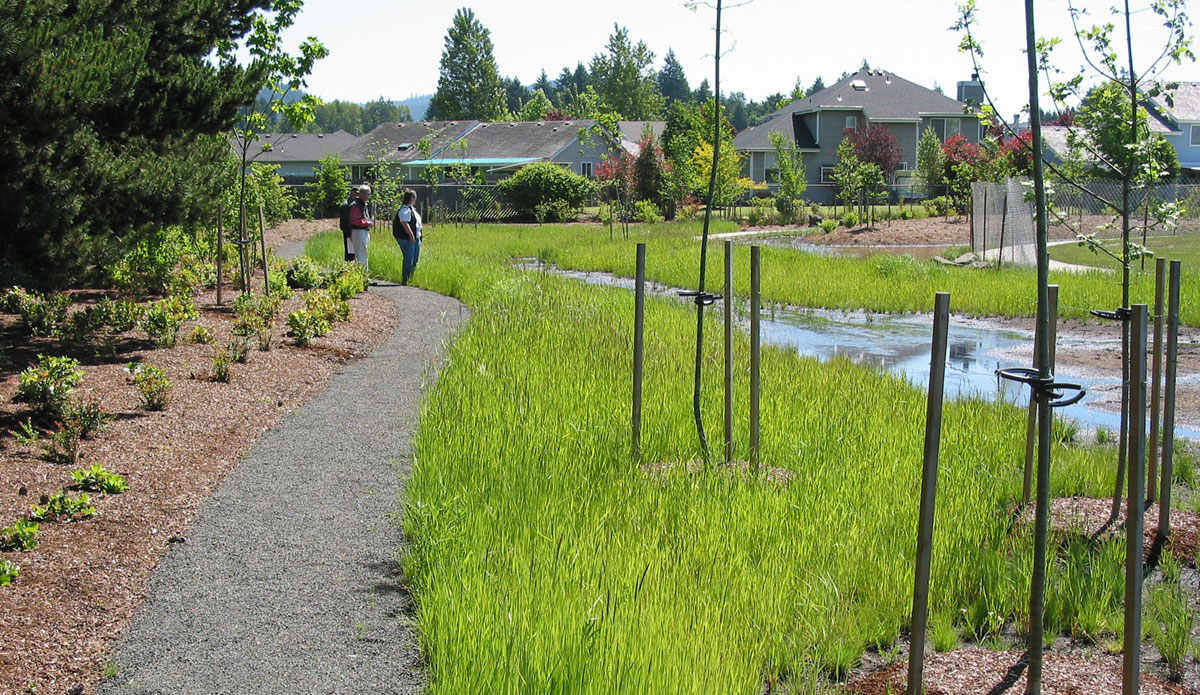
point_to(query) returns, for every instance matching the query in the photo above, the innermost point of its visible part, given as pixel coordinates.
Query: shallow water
(919, 252)
(900, 344)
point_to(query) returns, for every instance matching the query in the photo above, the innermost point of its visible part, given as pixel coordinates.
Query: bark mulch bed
(78, 589)
(977, 671)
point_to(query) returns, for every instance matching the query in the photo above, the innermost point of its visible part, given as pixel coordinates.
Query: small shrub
(8, 572)
(222, 366)
(303, 274)
(940, 206)
(163, 319)
(88, 416)
(850, 219)
(277, 281)
(99, 479)
(122, 314)
(63, 507)
(828, 226)
(252, 313)
(327, 306)
(762, 212)
(239, 350)
(688, 212)
(152, 383)
(304, 326)
(62, 444)
(44, 316)
(27, 435)
(646, 211)
(347, 285)
(202, 335)
(547, 191)
(48, 384)
(20, 536)
(12, 299)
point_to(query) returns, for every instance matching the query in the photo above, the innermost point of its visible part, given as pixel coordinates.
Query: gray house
(297, 154)
(495, 150)
(818, 123)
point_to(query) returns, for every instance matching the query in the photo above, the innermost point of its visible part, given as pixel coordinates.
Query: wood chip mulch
(977, 671)
(1090, 517)
(79, 588)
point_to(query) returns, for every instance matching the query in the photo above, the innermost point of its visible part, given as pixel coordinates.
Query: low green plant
(264, 335)
(646, 211)
(202, 335)
(828, 225)
(850, 219)
(239, 350)
(12, 299)
(1183, 467)
(8, 572)
(26, 434)
(327, 306)
(304, 326)
(1170, 618)
(762, 212)
(44, 315)
(20, 536)
(121, 314)
(97, 478)
(941, 206)
(252, 313)
(222, 365)
(61, 506)
(152, 383)
(303, 274)
(88, 416)
(62, 443)
(163, 319)
(47, 385)
(345, 286)
(942, 633)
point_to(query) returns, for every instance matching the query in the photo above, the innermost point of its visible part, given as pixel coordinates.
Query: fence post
(728, 351)
(933, 435)
(755, 353)
(639, 319)
(1160, 272)
(220, 250)
(262, 237)
(1132, 648)
(1168, 453)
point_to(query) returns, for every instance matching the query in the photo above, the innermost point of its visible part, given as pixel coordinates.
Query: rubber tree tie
(1121, 313)
(701, 298)
(1056, 390)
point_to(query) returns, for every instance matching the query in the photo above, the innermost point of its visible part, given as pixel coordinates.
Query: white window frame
(827, 175)
(585, 169)
(851, 122)
(1195, 136)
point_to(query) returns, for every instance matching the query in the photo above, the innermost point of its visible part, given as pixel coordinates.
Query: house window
(1196, 135)
(827, 175)
(945, 127)
(851, 122)
(585, 168)
(902, 166)
(772, 175)
(952, 127)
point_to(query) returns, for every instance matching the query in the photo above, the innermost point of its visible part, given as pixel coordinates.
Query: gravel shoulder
(287, 581)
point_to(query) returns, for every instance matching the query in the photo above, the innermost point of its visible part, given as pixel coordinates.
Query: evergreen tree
(672, 83)
(468, 82)
(703, 93)
(381, 111)
(111, 134)
(624, 78)
(817, 85)
(735, 111)
(516, 94)
(543, 84)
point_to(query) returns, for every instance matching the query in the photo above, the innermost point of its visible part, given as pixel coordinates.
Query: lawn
(1183, 248)
(543, 559)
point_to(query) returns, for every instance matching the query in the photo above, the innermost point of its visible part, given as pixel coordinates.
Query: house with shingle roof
(493, 150)
(818, 123)
(1179, 122)
(297, 154)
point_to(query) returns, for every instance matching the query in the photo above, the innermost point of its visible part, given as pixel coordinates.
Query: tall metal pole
(755, 352)
(1160, 274)
(262, 237)
(1037, 594)
(1132, 649)
(712, 187)
(1168, 455)
(728, 351)
(933, 438)
(639, 320)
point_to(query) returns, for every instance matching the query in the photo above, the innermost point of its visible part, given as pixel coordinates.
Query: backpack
(344, 211)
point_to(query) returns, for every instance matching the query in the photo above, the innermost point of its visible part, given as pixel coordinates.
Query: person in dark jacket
(360, 225)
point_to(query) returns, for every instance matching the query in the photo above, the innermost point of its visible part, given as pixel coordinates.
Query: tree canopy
(469, 83)
(112, 133)
(623, 76)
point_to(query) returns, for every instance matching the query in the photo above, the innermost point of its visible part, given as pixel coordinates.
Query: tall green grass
(544, 560)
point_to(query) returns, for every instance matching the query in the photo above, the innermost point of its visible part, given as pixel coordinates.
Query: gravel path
(288, 580)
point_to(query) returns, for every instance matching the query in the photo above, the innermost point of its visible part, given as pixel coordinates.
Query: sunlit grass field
(1182, 248)
(543, 559)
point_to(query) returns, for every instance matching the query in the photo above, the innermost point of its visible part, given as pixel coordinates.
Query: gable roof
(398, 142)
(1184, 108)
(522, 139)
(299, 147)
(880, 95)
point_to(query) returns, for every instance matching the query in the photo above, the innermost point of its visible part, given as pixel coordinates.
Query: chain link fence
(1002, 220)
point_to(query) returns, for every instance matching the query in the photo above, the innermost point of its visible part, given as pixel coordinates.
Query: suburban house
(818, 122)
(1179, 123)
(491, 150)
(297, 154)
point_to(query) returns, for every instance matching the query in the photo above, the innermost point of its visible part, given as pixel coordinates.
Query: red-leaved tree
(876, 145)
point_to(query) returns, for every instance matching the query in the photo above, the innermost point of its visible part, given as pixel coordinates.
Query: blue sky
(392, 48)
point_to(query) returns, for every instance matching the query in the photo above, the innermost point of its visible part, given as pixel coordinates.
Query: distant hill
(416, 105)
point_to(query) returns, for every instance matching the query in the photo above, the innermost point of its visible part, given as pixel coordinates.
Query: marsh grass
(544, 560)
